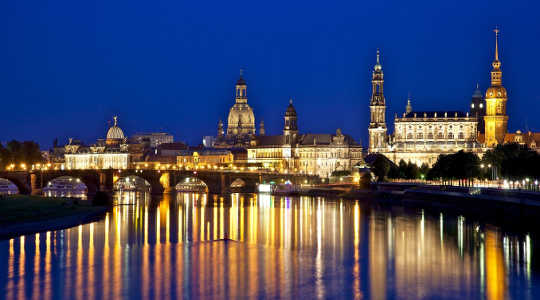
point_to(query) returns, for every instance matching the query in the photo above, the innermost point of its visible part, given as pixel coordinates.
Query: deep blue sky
(66, 67)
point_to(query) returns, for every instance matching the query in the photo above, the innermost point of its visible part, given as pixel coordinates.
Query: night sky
(66, 67)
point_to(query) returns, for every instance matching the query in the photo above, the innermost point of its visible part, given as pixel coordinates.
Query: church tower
(478, 108)
(241, 119)
(377, 107)
(290, 130)
(496, 120)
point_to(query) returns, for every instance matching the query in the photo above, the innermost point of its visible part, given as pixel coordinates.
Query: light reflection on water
(176, 246)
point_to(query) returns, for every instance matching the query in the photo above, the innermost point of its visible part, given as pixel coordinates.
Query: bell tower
(377, 107)
(290, 129)
(496, 120)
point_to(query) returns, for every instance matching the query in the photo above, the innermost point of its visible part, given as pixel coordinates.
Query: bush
(102, 199)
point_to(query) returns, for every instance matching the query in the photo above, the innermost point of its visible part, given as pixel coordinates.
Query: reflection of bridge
(160, 180)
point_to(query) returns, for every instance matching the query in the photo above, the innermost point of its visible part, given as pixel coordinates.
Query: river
(245, 245)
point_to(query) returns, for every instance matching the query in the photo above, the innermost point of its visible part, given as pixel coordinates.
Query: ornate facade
(420, 137)
(377, 108)
(319, 154)
(241, 121)
(111, 153)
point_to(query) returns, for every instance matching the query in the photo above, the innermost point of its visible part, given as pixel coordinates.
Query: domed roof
(240, 81)
(115, 132)
(241, 113)
(477, 93)
(290, 109)
(497, 91)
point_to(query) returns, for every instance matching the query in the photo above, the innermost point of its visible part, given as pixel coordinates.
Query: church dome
(115, 132)
(496, 92)
(241, 118)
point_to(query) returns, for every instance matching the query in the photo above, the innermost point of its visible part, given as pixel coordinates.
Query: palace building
(318, 154)
(421, 136)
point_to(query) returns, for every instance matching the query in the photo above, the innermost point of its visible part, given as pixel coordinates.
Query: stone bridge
(161, 181)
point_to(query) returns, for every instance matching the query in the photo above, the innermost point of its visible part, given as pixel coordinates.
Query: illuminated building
(319, 154)
(377, 108)
(420, 136)
(205, 157)
(111, 153)
(153, 139)
(241, 121)
(496, 120)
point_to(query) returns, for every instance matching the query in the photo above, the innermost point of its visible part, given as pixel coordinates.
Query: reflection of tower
(290, 130)
(496, 120)
(377, 107)
(478, 108)
(495, 271)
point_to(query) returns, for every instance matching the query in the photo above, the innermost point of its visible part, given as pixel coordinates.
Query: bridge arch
(66, 186)
(192, 184)
(8, 187)
(132, 183)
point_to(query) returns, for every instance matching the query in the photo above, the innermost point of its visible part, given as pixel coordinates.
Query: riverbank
(23, 214)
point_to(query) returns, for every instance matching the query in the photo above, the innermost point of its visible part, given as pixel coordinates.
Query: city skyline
(333, 81)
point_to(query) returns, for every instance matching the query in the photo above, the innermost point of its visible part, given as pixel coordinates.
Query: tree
(461, 165)
(381, 166)
(513, 161)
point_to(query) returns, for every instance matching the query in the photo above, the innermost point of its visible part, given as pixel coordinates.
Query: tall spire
(496, 30)
(496, 73)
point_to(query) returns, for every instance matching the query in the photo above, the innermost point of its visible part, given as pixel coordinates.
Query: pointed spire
(378, 66)
(241, 72)
(496, 30)
(115, 118)
(290, 100)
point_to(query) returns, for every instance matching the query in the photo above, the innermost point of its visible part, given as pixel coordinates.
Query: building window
(461, 136)
(450, 135)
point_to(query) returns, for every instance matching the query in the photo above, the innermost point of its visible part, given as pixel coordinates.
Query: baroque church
(290, 151)
(421, 136)
(240, 123)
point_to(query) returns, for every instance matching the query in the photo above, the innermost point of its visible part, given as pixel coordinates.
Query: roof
(269, 140)
(173, 146)
(303, 139)
(436, 114)
(240, 81)
(315, 139)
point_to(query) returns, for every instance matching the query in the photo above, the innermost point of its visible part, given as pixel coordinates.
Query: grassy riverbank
(23, 214)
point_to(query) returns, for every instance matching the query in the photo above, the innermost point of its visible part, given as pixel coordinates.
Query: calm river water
(260, 246)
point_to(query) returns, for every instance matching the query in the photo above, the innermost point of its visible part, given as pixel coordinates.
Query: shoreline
(25, 228)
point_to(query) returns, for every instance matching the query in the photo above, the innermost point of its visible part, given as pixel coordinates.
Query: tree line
(15, 152)
(509, 161)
